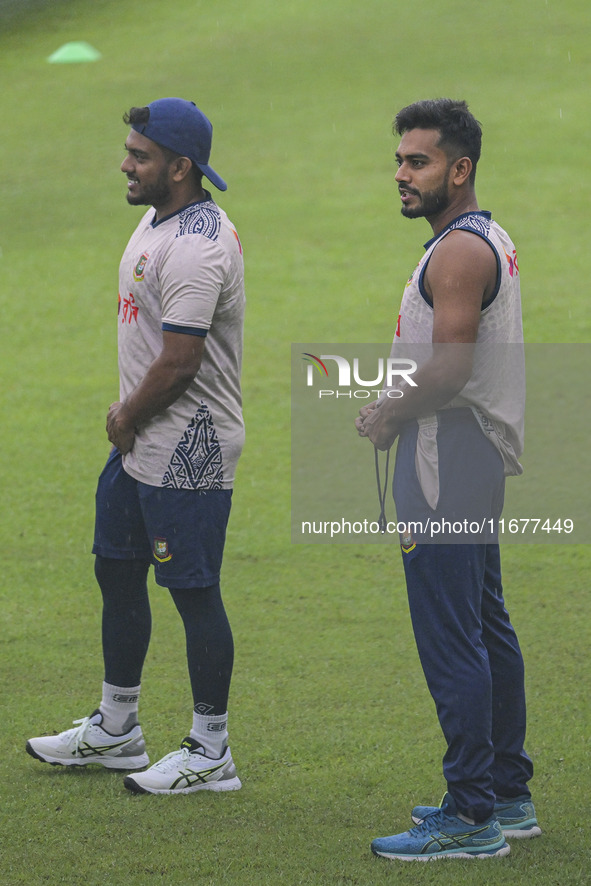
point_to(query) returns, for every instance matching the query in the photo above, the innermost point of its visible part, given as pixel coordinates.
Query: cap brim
(213, 177)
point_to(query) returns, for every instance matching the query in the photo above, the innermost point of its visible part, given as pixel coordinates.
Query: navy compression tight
(127, 625)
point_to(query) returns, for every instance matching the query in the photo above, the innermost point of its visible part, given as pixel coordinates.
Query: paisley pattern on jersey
(478, 223)
(197, 461)
(202, 218)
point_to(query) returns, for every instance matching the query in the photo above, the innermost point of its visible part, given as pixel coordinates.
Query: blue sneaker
(517, 817)
(442, 834)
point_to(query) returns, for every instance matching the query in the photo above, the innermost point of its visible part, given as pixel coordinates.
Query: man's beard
(431, 203)
(156, 194)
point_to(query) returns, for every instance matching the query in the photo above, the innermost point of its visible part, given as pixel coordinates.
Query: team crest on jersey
(160, 550)
(138, 272)
(410, 279)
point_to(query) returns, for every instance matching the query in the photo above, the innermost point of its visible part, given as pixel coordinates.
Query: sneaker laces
(79, 733)
(171, 761)
(433, 819)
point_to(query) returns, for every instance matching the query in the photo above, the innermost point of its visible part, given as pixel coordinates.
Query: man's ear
(462, 169)
(180, 168)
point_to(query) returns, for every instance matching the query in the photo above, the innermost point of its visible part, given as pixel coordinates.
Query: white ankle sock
(119, 707)
(211, 732)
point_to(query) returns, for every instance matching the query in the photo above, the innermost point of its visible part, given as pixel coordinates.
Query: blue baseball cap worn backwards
(179, 125)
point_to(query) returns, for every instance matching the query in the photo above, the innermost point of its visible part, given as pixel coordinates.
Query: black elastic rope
(382, 493)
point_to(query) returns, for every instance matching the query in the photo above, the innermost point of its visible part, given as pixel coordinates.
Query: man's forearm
(437, 382)
(162, 386)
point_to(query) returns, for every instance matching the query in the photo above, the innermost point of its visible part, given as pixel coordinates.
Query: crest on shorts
(138, 272)
(160, 550)
(407, 542)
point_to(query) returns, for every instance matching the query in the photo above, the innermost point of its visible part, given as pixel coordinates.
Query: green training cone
(74, 52)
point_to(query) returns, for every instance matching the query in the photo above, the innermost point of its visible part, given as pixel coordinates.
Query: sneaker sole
(499, 853)
(232, 784)
(522, 833)
(139, 762)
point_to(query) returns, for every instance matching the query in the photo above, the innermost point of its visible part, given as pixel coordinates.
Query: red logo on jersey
(128, 309)
(237, 240)
(397, 333)
(512, 259)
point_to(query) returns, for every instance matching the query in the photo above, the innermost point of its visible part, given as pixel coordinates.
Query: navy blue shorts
(182, 531)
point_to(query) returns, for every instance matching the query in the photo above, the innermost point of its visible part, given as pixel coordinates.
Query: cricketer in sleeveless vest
(496, 389)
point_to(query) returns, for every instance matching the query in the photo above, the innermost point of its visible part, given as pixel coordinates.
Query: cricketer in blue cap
(163, 499)
(179, 125)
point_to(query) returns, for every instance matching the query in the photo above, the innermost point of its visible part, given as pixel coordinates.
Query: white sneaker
(185, 771)
(88, 743)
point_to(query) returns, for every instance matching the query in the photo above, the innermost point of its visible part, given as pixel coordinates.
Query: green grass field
(332, 728)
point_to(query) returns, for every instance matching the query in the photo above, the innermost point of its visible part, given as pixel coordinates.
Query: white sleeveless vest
(496, 389)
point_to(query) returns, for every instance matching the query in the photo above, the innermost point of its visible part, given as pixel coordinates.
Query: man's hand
(377, 421)
(364, 412)
(120, 431)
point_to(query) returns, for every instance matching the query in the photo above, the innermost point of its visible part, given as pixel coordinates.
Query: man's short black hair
(461, 133)
(136, 116)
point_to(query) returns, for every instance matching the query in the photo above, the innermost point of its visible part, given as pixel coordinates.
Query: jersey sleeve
(191, 280)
